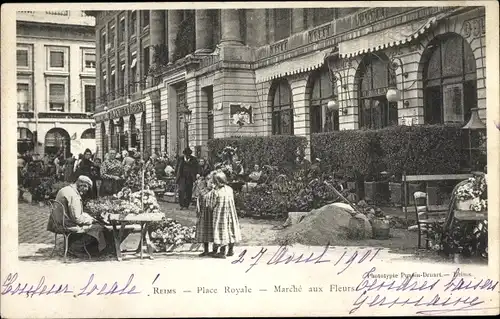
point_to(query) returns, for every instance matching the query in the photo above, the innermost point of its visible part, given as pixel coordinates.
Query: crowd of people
(217, 218)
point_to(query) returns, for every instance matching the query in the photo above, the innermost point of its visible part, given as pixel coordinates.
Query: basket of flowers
(472, 195)
(168, 234)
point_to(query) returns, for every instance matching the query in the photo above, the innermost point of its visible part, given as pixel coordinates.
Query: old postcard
(250, 159)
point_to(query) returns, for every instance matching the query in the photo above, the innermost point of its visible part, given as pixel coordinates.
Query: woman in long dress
(205, 224)
(226, 225)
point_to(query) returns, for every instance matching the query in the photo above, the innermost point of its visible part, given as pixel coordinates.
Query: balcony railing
(27, 12)
(58, 12)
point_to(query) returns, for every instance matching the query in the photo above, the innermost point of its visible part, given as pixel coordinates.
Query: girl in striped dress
(205, 224)
(226, 225)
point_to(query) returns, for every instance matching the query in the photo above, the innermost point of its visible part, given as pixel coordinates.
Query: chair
(424, 217)
(65, 231)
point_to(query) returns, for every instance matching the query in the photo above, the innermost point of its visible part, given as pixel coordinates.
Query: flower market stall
(465, 232)
(135, 208)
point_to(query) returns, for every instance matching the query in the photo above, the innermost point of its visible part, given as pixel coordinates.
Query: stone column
(204, 29)
(157, 31)
(230, 24)
(297, 20)
(256, 27)
(174, 20)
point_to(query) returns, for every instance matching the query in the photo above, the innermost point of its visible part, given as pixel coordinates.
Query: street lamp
(187, 119)
(475, 140)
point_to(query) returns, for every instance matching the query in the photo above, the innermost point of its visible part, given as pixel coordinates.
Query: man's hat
(85, 179)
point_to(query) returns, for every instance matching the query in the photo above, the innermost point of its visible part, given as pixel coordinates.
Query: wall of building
(72, 32)
(231, 70)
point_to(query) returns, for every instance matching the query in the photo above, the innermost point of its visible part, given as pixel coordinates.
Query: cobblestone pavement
(36, 241)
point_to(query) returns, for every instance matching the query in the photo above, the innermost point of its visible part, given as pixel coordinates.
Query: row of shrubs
(434, 149)
(275, 150)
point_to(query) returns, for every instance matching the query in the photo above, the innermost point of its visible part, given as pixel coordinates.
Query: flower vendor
(226, 225)
(111, 174)
(187, 168)
(93, 239)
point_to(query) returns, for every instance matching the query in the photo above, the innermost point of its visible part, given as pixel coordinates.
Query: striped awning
(291, 66)
(387, 38)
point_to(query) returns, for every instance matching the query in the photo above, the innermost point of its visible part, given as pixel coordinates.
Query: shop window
(449, 77)
(374, 79)
(320, 119)
(282, 110)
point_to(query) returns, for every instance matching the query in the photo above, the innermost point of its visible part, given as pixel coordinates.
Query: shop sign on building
(122, 111)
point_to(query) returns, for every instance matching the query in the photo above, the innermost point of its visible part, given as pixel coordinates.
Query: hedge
(357, 150)
(436, 149)
(276, 150)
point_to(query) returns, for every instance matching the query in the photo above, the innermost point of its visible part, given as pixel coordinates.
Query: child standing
(226, 225)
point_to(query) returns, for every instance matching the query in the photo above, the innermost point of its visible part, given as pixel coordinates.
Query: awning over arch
(388, 38)
(308, 62)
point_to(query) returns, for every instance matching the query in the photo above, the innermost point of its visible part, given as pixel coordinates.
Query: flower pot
(396, 194)
(381, 228)
(463, 204)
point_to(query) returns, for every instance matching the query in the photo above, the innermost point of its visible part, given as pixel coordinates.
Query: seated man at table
(94, 237)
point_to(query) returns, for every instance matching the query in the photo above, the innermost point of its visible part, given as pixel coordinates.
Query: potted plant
(472, 195)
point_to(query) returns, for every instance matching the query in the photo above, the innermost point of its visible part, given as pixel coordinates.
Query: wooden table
(133, 220)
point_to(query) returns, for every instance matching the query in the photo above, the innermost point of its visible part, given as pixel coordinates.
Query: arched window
(320, 119)
(57, 140)
(449, 76)
(88, 134)
(374, 79)
(282, 109)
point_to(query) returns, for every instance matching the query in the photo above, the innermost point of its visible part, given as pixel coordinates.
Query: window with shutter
(23, 97)
(89, 60)
(57, 97)
(22, 58)
(56, 59)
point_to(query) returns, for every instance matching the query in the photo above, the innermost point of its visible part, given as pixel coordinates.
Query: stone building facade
(276, 70)
(55, 81)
